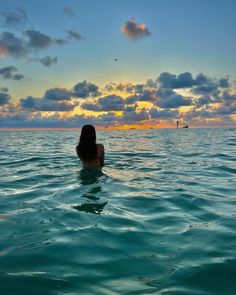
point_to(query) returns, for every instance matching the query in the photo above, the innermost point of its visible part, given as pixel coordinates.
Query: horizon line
(107, 128)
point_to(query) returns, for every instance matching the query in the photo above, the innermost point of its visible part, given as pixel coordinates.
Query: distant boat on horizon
(185, 126)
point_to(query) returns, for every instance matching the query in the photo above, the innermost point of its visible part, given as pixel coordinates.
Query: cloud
(60, 41)
(4, 98)
(17, 18)
(12, 45)
(133, 30)
(4, 89)
(36, 120)
(38, 40)
(57, 94)
(132, 99)
(69, 11)
(204, 100)
(9, 73)
(134, 117)
(163, 98)
(105, 104)
(148, 95)
(85, 89)
(226, 110)
(111, 103)
(206, 85)
(174, 102)
(91, 107)
(109, 119)
(31, 40)
(201, 79)
(211, 107)
(171, 81)
(199, 113)
(74, 35)
(224, 82)
(59, 99)
(131, 108)
(227, 96)
(164, 85)
(46, 105)
(54, 99)
(151, 83)
(48, 61)
(167, 98)
(111, 86)
(200, 85)
(207, 88)
(163, 114)
(127, 87)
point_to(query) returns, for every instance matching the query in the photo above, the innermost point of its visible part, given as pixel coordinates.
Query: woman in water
(90, 153)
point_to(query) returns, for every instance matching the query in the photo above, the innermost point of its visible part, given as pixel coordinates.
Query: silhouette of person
(90, 153)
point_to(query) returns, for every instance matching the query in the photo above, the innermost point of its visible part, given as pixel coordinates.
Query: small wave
(224, 168)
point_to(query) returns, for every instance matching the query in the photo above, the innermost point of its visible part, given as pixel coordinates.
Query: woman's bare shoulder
(100, 146)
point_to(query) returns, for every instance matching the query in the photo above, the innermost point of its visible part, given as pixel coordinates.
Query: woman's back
(98, 161)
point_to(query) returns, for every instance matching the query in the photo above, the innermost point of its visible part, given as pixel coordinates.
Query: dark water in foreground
(160, 218)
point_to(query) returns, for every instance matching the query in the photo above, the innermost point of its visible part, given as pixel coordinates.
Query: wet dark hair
(87, 148)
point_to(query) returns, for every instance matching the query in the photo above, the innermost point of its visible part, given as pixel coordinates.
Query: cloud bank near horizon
(199, 100)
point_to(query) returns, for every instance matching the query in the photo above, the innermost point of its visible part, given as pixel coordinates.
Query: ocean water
(159, 218)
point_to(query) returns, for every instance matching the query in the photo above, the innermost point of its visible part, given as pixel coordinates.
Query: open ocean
(159, 218)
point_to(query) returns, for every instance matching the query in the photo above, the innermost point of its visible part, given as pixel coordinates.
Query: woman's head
(87, 144)
(88, 133)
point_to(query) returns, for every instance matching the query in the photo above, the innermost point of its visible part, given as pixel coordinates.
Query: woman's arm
(101, 153)
(77, 151)
(103, 156)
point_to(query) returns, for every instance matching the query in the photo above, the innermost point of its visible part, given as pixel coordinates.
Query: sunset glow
(126, 70)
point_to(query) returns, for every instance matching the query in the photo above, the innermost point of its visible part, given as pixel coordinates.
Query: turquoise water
(159, 218)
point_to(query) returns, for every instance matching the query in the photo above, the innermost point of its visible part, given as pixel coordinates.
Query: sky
(117, 64)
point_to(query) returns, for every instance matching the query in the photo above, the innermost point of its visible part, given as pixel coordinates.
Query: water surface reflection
(91, 179)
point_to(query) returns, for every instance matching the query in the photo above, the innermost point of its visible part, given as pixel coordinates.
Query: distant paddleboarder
(177, 125)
